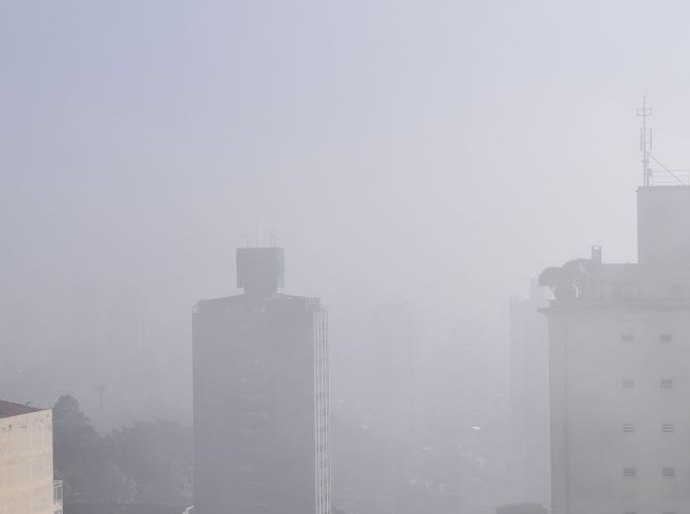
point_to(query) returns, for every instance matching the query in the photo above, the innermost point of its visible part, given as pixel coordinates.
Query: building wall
(261, 406)
(663, 226)
(620, 420)
(26, 464)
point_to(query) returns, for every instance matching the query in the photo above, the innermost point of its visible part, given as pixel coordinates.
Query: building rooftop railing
(669, 178)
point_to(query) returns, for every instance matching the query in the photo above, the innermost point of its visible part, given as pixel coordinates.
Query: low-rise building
(26, 461)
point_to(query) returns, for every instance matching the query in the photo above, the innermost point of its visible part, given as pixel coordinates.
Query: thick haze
(438, 153)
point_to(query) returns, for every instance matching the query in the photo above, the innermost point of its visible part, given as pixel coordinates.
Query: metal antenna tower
(645, 112)
(665, 177)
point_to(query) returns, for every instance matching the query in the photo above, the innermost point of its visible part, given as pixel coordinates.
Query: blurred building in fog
(26, 461)
(620, 346)
(460, 387)
(393, 396)
(261, 397)
(529, 395)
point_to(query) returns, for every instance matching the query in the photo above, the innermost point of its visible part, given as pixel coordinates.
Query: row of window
(664, 383)
(256, 449)
(666, 472)
(663, 338)
(253, 485)
(666, 428)
(254, 433)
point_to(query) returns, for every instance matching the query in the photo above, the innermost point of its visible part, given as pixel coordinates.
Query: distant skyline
(407, 150)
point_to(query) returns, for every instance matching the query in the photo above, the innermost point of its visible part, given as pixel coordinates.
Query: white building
(620, 370)
(26, 461)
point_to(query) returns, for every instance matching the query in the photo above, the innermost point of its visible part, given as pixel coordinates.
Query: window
(667, 383)
(253, 433)
(665, 338)
(57, 491)
(668, 428)
(628, 428)
(628, 383)
(252, 486)
(256, 449)
(668, 472)
(627, 338)
(629, 472)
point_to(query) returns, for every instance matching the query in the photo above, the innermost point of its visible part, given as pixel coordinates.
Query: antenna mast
(645, 112)
(664, 176)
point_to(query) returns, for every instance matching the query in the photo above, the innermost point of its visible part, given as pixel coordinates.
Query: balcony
(57, 496)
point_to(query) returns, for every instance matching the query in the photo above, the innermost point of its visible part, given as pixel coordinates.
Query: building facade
(619, 337)
(26, 461)
(261, 397)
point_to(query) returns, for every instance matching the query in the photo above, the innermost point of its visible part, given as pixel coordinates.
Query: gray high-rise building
(261, 397)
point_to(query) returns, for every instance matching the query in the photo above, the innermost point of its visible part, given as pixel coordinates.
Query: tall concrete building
(529, 398)
(619, 338)
(261, 397)
(26, 461)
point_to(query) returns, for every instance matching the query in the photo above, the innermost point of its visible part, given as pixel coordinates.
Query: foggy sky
(438, 152)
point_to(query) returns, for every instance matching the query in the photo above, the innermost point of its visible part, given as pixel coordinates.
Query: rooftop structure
(260, 270)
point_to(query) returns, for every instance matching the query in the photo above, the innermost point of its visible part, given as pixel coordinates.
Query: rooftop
(9, 409)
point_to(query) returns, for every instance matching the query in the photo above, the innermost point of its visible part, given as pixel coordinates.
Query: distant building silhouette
(261, 397)
(620, 381)
(460, 388)
(26, 461)
(393, 386)
(529, 391)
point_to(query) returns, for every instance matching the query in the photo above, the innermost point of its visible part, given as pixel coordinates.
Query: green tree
(82, 460)
(157, 456)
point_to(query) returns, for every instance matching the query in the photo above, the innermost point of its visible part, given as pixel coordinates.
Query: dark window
(667, 383)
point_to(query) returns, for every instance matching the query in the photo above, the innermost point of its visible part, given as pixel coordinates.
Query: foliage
(158, 457)
(82, 460)
(148, 462)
